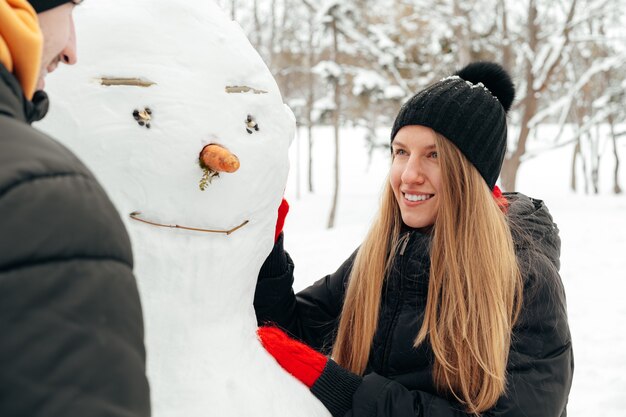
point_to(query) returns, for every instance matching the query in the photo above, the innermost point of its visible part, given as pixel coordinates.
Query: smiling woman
(438, 312)
(415, 175)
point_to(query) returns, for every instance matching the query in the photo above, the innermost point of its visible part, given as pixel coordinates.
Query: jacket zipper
(387, 350)
(404, 242)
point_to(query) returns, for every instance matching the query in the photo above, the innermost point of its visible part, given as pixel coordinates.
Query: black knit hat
(43, 5)
(468, 108)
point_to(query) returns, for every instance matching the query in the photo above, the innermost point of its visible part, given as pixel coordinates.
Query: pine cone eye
(143, 117)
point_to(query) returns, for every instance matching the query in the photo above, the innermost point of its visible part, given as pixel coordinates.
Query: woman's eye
(399, 152)
(433, 155)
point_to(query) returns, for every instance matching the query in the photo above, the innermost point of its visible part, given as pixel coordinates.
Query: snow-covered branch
(563, 105)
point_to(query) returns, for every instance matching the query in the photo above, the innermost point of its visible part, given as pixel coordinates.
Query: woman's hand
(333, 385)
(295, 357)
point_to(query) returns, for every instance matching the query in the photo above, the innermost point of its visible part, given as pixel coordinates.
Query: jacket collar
(533, 228)
(14, 104)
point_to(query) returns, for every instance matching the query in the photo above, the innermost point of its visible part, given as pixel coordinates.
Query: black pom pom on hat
(494, 78)
(469, 109)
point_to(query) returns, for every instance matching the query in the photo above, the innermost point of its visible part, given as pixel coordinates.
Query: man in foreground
(70, 316)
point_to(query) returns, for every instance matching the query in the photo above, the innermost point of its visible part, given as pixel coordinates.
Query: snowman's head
(156, 82)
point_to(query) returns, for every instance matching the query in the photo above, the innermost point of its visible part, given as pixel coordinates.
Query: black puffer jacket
(398, 379)
(71, 329)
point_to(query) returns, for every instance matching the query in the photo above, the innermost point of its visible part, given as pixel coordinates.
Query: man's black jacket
(71, 328)
(398, 379)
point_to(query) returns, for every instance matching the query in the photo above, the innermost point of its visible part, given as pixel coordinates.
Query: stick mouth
(138, 216)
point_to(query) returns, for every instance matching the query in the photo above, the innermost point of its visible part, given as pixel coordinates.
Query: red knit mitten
(283, 209)
(295, 357)
(501, 200)
(333, 385)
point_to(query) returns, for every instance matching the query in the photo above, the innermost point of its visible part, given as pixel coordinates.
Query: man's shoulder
(28, 154)
(51, 206)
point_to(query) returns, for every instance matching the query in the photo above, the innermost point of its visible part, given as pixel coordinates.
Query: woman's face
(416, 175)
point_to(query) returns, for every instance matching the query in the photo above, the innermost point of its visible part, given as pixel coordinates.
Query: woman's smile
(415, 199)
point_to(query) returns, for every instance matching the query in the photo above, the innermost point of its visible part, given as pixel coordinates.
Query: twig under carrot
(135, 215)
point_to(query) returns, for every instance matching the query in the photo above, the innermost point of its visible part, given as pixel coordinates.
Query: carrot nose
(218, 159)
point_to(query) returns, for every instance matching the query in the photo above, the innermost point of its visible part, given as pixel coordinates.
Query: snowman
(184, 126)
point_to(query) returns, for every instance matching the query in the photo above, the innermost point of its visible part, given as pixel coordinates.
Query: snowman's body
(196, 287)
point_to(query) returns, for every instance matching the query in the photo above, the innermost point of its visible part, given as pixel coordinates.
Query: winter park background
(344, 67)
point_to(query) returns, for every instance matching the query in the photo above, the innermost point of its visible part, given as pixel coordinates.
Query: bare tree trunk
(257, 25)
(595, 163)
(585, 175)
(298, 164)
(272, 33)
(371, 139)
(310, 101)
(616, 187)
(336, 116)
(572, 184)
(233, 9)
(530, 104)
(509, 173)
(512, 163)
(461, 34)
(284, 46)
(310, 142)
(507, 52)
(594, 176)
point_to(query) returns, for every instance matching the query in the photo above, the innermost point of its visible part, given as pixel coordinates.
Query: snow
(592, 230)
(368, 81)
(394, 92)
(384, 43)
(203, 356)
(196, 289)
(328, 70)
(564, 104)
(543, 71)
(322, 106)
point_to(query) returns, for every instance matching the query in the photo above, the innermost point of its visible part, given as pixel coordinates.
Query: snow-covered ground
(593, 256)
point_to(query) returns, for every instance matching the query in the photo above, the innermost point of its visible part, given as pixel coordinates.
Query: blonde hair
(474, 293)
